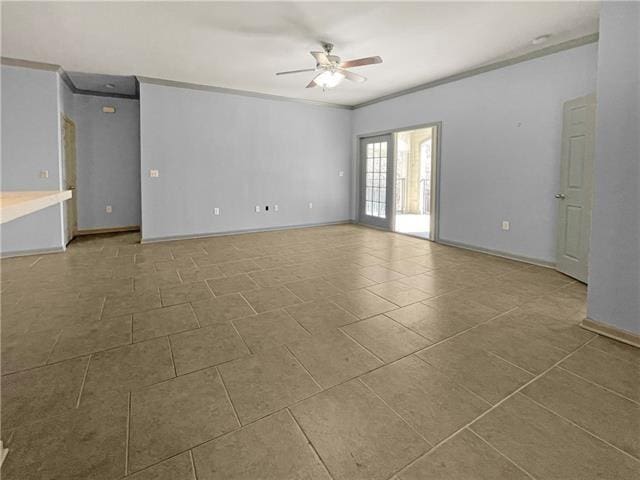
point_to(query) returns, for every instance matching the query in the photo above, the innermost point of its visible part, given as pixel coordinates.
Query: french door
(376, 188)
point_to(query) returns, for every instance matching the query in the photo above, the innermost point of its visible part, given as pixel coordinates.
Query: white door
(69, 151)
(576, 187)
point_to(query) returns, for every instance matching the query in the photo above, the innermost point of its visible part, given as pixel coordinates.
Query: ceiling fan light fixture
(329, 79)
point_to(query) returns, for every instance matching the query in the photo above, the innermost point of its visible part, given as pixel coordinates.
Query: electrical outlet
(275, 208)
(108, 209)
(154, 173)
(310, 205)
(216, 211)
(44, 173)
(341, 173)
(257, 208)
(505, 225)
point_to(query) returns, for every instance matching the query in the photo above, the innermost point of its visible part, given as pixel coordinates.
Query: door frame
(435, 183)
(72, 203)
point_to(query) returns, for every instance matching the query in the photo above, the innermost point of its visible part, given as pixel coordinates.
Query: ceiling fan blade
(321, 57)
(312, 84)
(297, 71)
(359, 62)
(354, 77)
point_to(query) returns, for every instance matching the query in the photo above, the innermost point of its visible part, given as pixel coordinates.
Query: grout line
(84, 379)
(361, 345)
(226, 392)
(501, 454)
(564, 369)
(53, 347)
(173, 362)
(311, 445)
(592, 434)
(193, 465)
(489, 352)
(249, 303)
(497, 404)
(194, 314)
(241, 337)
(304, 368)
(394, 411)
(126, 448)
(286, 312)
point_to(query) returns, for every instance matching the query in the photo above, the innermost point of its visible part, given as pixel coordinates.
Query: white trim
(498, 253)
(36, 251)
(240, 232)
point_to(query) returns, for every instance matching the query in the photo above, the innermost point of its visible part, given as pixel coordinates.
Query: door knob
(561, 196)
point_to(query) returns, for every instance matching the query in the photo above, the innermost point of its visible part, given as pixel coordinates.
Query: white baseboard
(497, 253)
(239, 232)
(24, 253)
(610, 331)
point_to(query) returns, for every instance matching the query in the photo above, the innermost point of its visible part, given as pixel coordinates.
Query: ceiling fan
(332, 70)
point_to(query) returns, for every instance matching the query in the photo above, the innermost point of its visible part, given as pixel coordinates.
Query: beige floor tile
(483, 373)
(126, 368)
(356, 434)
(458, 304)
(320, 315)
(380, 274)
(270, 329)
(178, 414)
(222, 309)
(175, 468)
(385, 338)
(78, 445)
(405, 267)
(332, 357)
(272, 448)
(188, 292)
(42, 392)
(274, 277)
(510, 344)
(272, 298)
(26, 350)
(362, 303)
(430, 283)
(239, 266)
(205, 347)
(434, 324)
(264, 383)
(431, 402)
(174, 265)
(156, 280)
(605, 414)
(607, 370)
(348, 281)
(547, 446)
(399, 293)
(163, 321)
(93, 337)
(464, 457)
(312, 289)
(617, 349)
(235, 284)
(119, 305)
(209, 272)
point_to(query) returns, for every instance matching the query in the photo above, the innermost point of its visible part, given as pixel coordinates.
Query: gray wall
(31, 143)
(234, 152)
(614, 281)
(501, 140)
(108, 161)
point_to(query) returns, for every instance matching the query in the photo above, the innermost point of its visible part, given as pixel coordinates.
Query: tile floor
(333, 352)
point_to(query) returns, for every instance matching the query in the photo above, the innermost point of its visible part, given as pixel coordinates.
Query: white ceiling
(241, 45)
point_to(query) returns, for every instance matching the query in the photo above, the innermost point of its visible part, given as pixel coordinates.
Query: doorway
(69, 152)
(415, 174)
(376, 201)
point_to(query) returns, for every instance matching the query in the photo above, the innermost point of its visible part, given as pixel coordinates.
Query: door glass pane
(376, 179)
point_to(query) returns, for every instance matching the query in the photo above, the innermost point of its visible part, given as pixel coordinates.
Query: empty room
(320, 240)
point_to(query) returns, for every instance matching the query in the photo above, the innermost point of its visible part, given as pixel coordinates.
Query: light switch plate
(275, 208)
(108, 209)
(310, 204)
(505, 225)
(154, 173)
(44, 173)
(257, 208)
(216, 211)
(341, 173)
